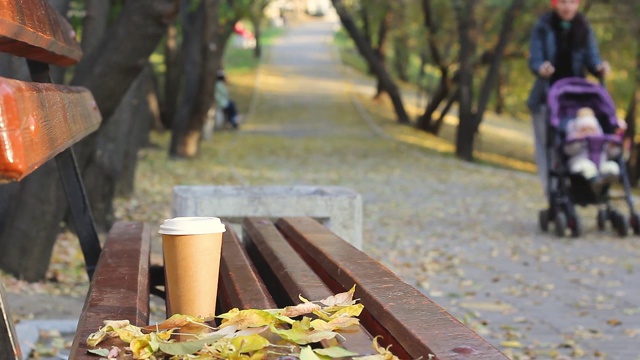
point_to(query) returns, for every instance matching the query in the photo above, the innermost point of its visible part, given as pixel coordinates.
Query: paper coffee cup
(192, 248)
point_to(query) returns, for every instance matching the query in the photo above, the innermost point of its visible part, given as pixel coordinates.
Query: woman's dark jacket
(543, 47)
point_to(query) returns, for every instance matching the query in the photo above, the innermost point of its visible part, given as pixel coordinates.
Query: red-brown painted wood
(38, 121)
(120, 286)
(289, 276)
(421, 326)
(35, 30)
(240, 285)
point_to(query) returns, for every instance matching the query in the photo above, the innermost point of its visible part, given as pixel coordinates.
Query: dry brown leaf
(300, 309)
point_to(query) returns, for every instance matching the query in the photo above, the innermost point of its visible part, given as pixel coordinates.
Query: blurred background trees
(151, 65)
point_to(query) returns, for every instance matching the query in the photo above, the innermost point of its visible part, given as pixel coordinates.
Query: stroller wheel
(543, 220)
(560, 223)
(634, 221)
(621, 224)
(576, 226)
(602, 219)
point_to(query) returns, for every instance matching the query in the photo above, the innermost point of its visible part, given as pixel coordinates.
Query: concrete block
(338, 208)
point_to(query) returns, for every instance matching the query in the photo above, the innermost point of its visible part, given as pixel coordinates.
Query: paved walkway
(464, 234)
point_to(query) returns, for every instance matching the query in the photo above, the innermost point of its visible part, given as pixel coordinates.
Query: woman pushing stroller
(577, 134)
(562, 45)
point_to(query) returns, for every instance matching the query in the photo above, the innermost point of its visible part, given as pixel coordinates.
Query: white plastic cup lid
(192, 225)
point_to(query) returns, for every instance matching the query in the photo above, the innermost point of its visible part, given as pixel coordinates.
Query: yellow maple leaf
(247, 318)
(334, 324)
(301, 333)
(106, 332)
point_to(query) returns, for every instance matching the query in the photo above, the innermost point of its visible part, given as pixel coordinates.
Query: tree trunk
(366, 32)
(494, 68)
(437, 125)
(118, 146)
(172, 76)
(257, 32)
(425, 121)
(378, 67)
(187, 129)
(143, 107)
(442, 92)
(95, 23)
(466, 26)
(191, 37)
(381, 50)
(57, 73)
(500, 93)
(107, 73)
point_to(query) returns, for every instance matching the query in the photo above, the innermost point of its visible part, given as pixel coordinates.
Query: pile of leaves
(250, 334)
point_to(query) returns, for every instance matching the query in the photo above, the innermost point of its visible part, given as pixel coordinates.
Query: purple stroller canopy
(568, 95)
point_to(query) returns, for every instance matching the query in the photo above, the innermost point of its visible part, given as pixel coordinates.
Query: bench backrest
(40, 121)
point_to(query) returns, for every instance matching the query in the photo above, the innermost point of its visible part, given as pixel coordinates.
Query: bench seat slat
(115, 294)
(38, 121)
(418, 324)
(290, 276)
(33, 29)
(240, 285)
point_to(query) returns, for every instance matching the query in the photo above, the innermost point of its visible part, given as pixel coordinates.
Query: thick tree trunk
(466, 128)
(143, 109)
(118, 146)
(381, 50)
(494, 68)
(58, 73)
(107, 73)
(378, 67)
(95, 23)
(173, 70)
(191, 38)
(190, 120)
(366, 31)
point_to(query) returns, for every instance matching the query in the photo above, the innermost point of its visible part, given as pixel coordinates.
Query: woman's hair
(555, 2)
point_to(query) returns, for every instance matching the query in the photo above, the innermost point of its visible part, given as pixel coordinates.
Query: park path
(464, 234)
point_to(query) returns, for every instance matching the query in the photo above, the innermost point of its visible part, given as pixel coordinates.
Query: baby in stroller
(589, 155)
(585, 157)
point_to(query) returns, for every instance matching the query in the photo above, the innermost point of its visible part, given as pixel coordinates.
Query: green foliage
(616, 39)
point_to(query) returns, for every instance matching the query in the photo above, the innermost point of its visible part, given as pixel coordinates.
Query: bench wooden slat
(117, 294)
(420, 326)
(38, 121)
(33, 29)
(9, 346)
(240, 285)
(287, 274)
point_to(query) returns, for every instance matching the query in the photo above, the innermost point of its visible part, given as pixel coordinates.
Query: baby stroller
(565, 190)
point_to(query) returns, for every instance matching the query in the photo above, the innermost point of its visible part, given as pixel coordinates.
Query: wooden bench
(39, 121)
(274, 263)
